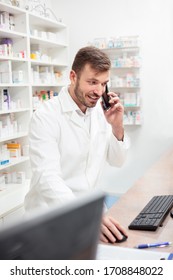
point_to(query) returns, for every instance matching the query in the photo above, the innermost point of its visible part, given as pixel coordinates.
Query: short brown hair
(93, 56)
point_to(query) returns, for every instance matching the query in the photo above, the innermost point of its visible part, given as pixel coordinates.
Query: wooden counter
(158, 180)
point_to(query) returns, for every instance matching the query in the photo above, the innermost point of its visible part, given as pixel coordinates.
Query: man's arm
(119, 142)
(47, 185)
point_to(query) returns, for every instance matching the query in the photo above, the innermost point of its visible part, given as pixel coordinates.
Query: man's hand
(110, 225)
(114, 115)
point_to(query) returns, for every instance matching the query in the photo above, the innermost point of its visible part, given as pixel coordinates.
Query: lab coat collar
(66, 101)
(68, 105)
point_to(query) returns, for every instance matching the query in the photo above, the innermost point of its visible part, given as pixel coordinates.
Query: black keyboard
(153, 214)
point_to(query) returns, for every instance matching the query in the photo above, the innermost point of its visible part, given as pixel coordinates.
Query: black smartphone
(105, 99)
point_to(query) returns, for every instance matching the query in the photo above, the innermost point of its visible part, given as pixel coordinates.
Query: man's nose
(99, 89)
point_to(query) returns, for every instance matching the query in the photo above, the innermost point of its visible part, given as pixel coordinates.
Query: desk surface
(158, 180)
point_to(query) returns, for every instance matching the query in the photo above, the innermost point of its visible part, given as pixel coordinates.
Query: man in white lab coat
(72, 136)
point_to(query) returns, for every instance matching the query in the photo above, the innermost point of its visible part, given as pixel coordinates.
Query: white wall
(151, 19)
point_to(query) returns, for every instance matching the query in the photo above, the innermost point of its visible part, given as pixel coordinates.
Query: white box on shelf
(20, 177)
(17, 76)
(5, 77)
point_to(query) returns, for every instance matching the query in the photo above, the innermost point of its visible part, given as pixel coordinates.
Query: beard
(82, 98)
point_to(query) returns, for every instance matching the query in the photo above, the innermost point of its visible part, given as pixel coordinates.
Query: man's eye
(92, 82)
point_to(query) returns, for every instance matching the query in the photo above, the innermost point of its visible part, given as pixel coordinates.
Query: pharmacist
(71, 138)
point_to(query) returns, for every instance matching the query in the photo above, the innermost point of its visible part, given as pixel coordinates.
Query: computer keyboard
(153, 214)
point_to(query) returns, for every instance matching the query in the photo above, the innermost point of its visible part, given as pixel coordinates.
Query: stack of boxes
(10, 151)
(14, 150)
(5, 72)
(6, 20)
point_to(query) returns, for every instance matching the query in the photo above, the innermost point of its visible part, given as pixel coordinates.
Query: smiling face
(88, 87)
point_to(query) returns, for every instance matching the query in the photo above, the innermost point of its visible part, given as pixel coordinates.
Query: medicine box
(17, 76)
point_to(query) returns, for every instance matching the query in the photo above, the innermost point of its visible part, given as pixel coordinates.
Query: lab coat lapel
(68, 108)
(75, 118)
(94, 131)
(94, 125)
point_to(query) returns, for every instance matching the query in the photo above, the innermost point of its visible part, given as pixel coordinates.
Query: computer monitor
(65, 233)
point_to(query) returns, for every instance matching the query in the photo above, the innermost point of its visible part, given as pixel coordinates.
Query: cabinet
(124, 53)
(33, 63)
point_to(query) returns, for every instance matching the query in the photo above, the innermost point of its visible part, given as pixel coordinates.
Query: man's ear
(73, 77)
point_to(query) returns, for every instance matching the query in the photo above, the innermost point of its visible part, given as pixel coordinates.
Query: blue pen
(160, 244)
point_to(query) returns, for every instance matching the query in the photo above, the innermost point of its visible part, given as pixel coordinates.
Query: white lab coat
(66, 159)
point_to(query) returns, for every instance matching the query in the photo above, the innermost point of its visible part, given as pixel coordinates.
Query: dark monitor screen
(68, 232)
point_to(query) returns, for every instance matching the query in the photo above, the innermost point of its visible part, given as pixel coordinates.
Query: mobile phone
(105, 99)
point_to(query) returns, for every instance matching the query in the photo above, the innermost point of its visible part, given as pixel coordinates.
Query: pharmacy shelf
(122, 49)
(125, 68)
(12, 196)
(132, 124)
(124, 53)
(131, 107)
(48, 85)
(14, 162)
(14, 136)
(49, 23)
(11, 34)
(13, 58)
(10, 9)
(28, 33)
(47, 43)
(15, 111)
(45, 63)
(6, 85)
(113, 87)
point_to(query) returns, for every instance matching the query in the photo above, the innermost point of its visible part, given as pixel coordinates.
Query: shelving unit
(33, 60)
(124, 53)
(48, 57)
